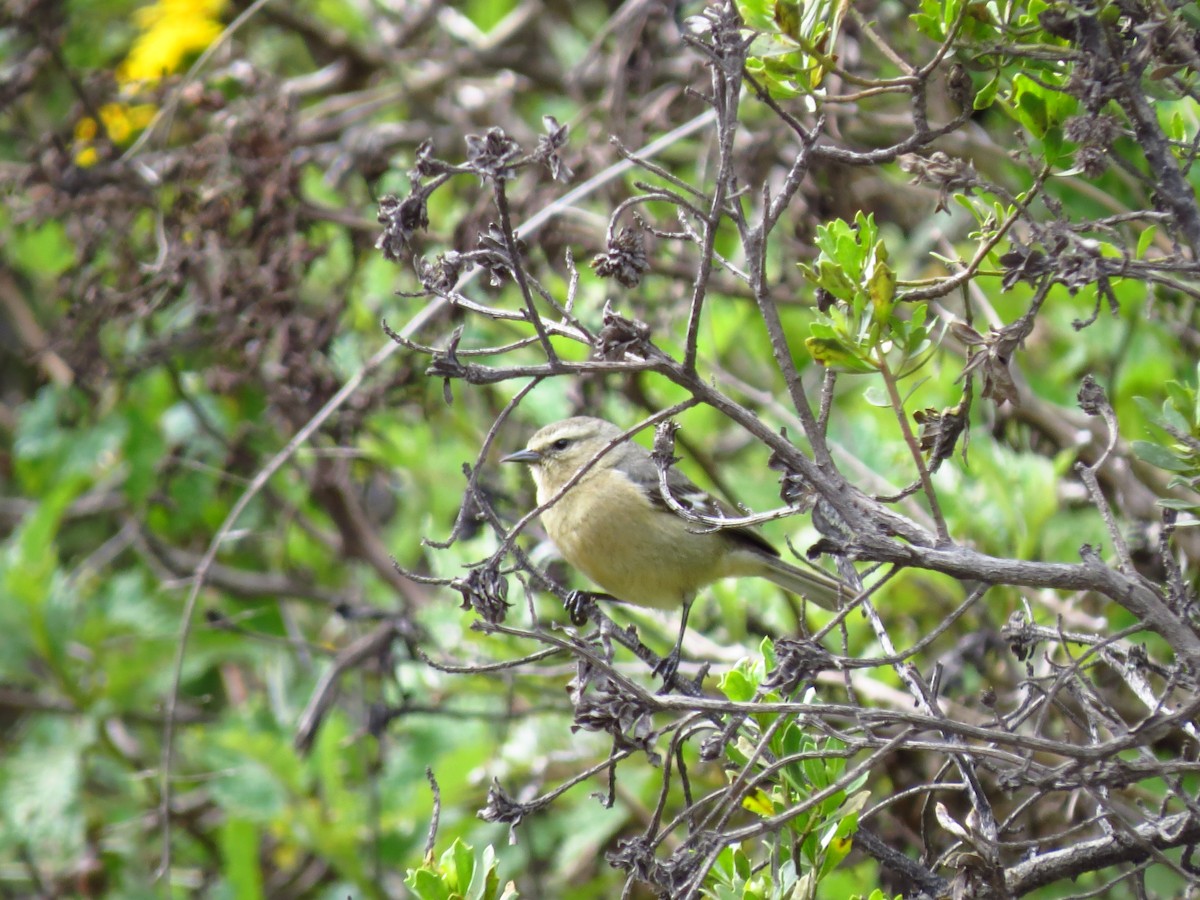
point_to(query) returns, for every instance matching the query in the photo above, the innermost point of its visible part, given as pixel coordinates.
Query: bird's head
(558, 451)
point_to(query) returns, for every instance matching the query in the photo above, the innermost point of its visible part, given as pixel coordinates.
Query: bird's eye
(561, 444)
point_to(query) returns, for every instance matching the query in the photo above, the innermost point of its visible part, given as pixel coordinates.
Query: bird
(614, 526)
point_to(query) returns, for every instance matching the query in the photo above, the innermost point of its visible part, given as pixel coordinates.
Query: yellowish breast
(638, 553)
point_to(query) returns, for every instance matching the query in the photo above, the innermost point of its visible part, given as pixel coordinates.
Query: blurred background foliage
(189, 275)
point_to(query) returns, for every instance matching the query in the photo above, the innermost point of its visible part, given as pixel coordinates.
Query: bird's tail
(816, 587)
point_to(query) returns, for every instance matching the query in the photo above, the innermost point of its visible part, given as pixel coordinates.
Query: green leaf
(426, 885)
(1183, 400)
(1181, 505)
(759, 803)
(1149, 409)
(144, 448)
(881, 287)
(1030, 106)
(463, 858)
(837, 355)
(833, 278)
(1158, 455)
(490, 883)
(1172, 418)
(986, 95)
(42, 782)
(45, 249)
(38, 611)
(486, 14)
(757, 14)
(1145, 239)
(239, 842)
(875, 395)
(787, 17)
(736, 686)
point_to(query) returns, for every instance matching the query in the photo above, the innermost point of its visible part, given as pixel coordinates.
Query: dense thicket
(918, 282)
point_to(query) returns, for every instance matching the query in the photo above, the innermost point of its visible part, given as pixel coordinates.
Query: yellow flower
(121, 122)
(115, 117)
(171, 31)
(85, 129)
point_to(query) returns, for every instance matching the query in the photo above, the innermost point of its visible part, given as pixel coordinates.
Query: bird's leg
(668, 665)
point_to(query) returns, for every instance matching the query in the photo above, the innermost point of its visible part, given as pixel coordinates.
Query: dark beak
(523, 456)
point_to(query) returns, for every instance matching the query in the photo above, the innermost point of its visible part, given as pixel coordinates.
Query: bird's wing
(643, 472)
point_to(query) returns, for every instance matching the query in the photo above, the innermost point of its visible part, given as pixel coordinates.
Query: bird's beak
(523, 456)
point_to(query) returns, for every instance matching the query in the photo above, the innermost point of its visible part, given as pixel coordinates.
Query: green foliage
(40, 789)
(1179, 419)
(459, 875)
(173, 314)
(796, 790)
(793, 50)
(861, 330)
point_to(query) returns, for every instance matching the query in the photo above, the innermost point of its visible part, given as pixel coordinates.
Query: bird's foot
(667, 668)
(579, 606)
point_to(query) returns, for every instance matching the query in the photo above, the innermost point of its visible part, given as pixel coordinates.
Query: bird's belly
(637, 562)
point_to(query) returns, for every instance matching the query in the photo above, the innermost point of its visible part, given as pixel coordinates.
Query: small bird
(614, 526)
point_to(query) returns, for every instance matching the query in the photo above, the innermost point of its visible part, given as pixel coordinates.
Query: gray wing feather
(643, 472)
(818, 587)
